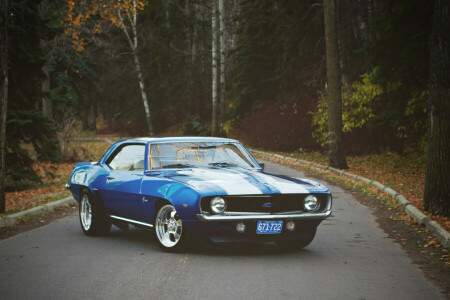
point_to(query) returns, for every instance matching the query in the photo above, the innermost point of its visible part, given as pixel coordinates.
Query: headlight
(311, 203)
(218, 205)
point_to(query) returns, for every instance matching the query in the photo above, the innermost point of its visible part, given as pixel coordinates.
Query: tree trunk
(370, 20)
(143, 94)
(214, 69)
(133, 42)
(46, 102)
(194, 35)
(222, 62)
(85, 119)
(336, 155)
(4, 13)
(92, 121)
(437, 180)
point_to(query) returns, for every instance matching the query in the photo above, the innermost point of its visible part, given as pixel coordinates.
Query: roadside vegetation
(403, 173)
(51, 177)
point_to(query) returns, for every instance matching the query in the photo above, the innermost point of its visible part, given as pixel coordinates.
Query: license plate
(269, 227)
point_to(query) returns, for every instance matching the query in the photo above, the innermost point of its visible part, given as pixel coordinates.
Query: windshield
(199, 154)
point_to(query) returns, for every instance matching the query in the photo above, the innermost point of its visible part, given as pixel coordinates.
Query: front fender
(183, 198)
(186, 202)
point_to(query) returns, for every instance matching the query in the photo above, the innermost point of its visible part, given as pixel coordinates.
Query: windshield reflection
(198, 154)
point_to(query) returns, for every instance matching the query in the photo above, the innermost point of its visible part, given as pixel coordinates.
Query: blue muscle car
(188, 187)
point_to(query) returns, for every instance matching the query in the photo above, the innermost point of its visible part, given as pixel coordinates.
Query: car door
(121, 192)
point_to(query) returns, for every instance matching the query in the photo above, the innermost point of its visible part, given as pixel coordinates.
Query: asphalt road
(350, 258)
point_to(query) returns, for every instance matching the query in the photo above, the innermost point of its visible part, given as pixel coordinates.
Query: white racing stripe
(234, 183)
(237, 188)
(231, 183)
(283, 185)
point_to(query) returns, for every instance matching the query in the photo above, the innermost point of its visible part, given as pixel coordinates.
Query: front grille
(276, 203)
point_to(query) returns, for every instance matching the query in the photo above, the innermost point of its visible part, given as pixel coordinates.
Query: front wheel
(169, 230)
(297, 243)
(92, 218)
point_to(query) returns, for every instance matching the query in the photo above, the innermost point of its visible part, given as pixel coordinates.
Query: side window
(129, 158)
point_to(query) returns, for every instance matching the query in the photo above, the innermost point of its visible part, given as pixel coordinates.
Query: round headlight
(218, 205)
(311, 203)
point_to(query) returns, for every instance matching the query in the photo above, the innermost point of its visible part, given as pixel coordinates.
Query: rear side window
(129, 158)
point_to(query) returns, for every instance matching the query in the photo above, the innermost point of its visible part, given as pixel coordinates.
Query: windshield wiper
(223, 164)
(178, 166)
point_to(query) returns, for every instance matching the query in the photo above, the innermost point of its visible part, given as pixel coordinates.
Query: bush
(194, 126)
(357, 107)
(34, 129)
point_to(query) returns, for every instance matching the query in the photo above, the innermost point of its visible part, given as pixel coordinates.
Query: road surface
(350, 258)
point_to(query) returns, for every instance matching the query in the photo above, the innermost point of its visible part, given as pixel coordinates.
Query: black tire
(297, 244)
(93, 219)
(170, 234)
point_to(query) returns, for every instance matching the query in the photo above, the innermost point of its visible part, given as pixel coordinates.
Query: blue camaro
(188, 187)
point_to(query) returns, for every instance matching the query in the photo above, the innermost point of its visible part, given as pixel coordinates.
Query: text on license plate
(269, 227)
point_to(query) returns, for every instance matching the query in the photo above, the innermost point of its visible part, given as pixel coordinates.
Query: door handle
(109, 178)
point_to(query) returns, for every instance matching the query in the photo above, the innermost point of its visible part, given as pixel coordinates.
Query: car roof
(176, 139)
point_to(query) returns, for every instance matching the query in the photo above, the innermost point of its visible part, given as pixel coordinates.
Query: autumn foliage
(85, 18)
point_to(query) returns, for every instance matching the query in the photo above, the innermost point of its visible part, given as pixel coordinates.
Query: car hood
(238, 181)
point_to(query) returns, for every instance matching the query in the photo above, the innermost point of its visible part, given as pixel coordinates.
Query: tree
(222, 61)
(46, 101)
(133, 41)
(336, 154)
(437, 180)
(214, 67)
(4, 13)
(24, 120)
(123, 14)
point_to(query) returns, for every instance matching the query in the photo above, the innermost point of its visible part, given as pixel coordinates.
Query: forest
(259, 71)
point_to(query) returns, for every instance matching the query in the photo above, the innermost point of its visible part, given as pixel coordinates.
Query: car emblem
(268, 204)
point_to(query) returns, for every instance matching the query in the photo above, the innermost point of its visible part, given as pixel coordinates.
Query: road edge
(11, 220)
(440, 233)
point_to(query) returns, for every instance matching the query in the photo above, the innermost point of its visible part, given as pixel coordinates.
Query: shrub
(357, 107)
(194, 126)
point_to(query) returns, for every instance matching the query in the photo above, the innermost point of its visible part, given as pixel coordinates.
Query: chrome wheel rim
(168, 226)
(85, 213)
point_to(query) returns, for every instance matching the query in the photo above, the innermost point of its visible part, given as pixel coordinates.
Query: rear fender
(93, 193)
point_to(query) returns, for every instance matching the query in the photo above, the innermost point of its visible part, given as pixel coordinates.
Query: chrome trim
(240, 213)
(67, 186)
(131, 221)
(210, 218)
(251, 196)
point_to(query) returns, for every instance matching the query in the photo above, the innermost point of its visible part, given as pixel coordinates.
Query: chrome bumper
(67, 186)
(221, 218)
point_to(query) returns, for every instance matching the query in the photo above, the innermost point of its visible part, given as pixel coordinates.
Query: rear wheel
(93, 220)
(297, 243)
(169, 230)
